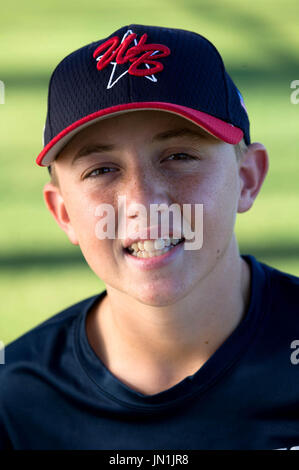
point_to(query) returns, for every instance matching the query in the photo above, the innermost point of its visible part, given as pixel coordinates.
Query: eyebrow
(92, 148)
(162, 136)
(183, 132)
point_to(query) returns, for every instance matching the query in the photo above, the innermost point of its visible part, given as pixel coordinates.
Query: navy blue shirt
(55, 393)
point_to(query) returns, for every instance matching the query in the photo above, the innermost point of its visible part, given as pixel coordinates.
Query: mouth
(152, 248)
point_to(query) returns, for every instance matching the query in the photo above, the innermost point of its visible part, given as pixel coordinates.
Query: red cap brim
(218, 128)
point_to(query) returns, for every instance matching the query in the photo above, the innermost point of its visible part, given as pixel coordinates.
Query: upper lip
(145, 235)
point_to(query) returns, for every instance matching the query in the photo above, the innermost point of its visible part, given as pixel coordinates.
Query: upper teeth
(152, 245)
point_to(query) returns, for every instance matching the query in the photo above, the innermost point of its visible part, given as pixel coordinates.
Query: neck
(162, 342)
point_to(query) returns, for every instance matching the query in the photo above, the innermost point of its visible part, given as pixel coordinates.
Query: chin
(160, 293)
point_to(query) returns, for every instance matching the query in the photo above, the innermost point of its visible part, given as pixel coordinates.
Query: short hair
(240, 149)
(53, 176)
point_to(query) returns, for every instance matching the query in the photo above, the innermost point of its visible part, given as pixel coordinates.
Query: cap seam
(49, 105)
(130, 85)
(226, 87)
(223, 72)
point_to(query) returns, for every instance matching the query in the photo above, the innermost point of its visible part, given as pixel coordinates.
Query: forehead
(145, 125)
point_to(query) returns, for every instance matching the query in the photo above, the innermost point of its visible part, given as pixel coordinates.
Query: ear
(253, 168)
(55, 203)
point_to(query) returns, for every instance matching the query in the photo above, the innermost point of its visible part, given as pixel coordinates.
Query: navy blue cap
(137, 68)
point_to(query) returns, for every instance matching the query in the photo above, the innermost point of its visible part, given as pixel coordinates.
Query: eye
(180, 156)
(98, 172)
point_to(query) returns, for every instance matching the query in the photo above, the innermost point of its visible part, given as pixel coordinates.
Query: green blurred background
(40, 271)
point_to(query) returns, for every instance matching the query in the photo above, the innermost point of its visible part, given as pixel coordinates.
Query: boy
(186, 348)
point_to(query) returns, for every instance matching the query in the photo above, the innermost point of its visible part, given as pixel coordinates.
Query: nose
(145, 187)
(146, 194)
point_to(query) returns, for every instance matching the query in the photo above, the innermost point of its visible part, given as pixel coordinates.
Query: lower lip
(156, 261)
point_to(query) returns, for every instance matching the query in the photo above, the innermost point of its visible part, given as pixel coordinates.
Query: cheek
(221, 208)
(219, 196)
(85, 209)
(98, 252)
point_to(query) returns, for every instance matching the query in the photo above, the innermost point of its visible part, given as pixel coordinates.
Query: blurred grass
(40, 272)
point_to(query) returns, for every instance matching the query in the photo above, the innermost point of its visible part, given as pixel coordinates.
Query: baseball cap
(141, 67)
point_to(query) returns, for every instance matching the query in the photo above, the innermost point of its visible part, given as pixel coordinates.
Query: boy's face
(139, 148)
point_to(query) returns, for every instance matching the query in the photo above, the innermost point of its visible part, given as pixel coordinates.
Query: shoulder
(38, 345)
(278, 298)
(282, 284)
(274, 296)
(37, 365)
(279, 282)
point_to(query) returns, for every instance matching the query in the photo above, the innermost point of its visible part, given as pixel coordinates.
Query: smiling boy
(177, 352)
(145, 339)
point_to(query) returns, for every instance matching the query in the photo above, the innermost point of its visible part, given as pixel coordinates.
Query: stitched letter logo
(130, 51)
